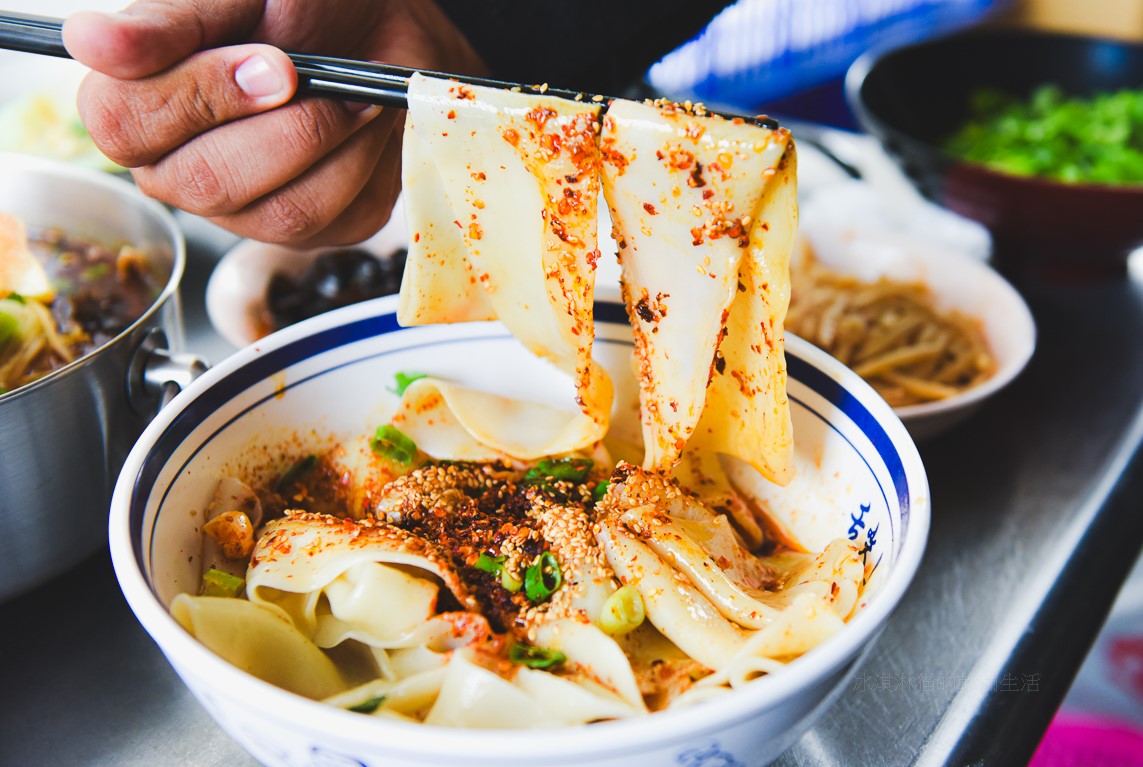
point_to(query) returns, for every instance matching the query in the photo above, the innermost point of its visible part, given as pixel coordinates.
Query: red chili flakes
(479, 176)
(416, 236)
(540, 116)
(697, 233)
(475, 232)
(511, 136)
(676, 158)
(695, 180)
(651, 310)
(615, 158)
(707, 194)
(593, 258)
(551, 143)
(650, 209)
(451, 114)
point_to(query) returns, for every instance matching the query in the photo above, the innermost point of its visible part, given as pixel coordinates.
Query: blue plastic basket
(757, 51)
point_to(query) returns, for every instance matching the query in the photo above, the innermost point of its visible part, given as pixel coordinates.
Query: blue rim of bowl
(276, 360)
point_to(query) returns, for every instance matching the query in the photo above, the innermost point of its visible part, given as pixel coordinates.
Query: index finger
(151, 35)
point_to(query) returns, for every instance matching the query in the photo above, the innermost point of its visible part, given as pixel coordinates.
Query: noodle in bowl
(860, 476)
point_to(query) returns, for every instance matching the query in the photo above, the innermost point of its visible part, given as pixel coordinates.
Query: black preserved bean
(335, 279)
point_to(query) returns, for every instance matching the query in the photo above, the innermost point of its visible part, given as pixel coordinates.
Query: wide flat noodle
(733, 612)
(454, 423)
(302, 555)
(704, 211)
(259, 641)
(502, 190)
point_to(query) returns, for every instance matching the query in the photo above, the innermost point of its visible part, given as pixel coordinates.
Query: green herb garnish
(559, 469)
(401, 381)
(543, 577)
(219, 583)
(16, 297)
(495, 566)
(1085, 139)
(390, 442)
(535, 657)
(368, 706)
(296, 472)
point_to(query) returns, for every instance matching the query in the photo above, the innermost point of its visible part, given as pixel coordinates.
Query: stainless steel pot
(64, 437)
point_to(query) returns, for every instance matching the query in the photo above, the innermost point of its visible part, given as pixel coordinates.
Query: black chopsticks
(364, 81)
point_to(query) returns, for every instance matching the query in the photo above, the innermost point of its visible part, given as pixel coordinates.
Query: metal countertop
(1037, 503)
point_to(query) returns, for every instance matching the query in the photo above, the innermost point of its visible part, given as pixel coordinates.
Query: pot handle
(157, 374)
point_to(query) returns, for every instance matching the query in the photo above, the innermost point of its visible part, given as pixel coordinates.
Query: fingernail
(257, 78)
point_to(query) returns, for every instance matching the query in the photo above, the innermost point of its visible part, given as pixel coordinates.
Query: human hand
(196, 97)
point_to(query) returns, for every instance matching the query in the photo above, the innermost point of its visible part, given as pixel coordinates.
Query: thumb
(151, 35)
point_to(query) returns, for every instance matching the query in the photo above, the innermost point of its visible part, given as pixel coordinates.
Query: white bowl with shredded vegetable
(935, 330)
(860, 478)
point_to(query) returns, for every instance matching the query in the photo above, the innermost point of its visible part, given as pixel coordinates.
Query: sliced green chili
(535, 657)
(296, 472)
(368, 706)
(543, 577)
(219, 583)
(390, 442)
(495, 566)
(402, 380)
(600, 490)
(566, 469)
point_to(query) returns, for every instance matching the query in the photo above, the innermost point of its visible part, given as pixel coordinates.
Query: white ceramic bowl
(958, 281)
(326, 376)
(236, 290)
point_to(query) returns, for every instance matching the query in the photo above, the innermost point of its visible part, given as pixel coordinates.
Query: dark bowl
(913, 97)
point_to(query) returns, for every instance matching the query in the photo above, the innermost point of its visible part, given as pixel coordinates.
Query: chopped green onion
(9, 328)
(543, 577)
(402, 381)
(623, 611)
(299, 470)
(219, 583)
(535, 657)
(390, 442)
(600, 490)
(495, 566)
(490, 564)
(16, 297)
(569, 469)
(368, 706)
